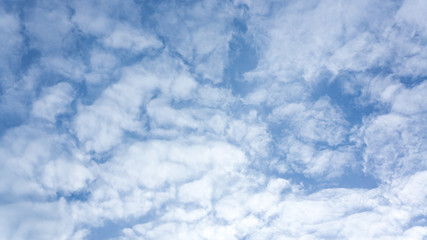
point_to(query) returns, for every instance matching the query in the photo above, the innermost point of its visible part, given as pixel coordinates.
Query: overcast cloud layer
(234, 119)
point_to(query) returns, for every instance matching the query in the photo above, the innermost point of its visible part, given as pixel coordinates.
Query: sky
(216, 119)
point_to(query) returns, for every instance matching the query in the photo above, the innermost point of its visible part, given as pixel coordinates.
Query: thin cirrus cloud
(213, 120)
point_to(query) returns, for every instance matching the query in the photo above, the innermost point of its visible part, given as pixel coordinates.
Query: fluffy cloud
(331, 213)
(213, 120)
(130, 39)
(40, 164)
(55, 100)
(37, 220)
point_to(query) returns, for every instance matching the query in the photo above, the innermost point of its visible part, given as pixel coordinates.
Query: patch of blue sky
(11, 119)
(296, 177)
(352, 177)
(29, 57)
(87, 94)
(133, 136)
(16, 6)
(412, 81)
(242, 57)
(355, 177)
(101, 157)
(129, 58)
(82, 195)
(48, 79)
(78, 45)
(348, 102)
(420, 220)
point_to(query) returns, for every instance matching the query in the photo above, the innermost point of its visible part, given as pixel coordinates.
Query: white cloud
(54, 100)
(359, 54)
(65, 175)
(68, 67)
(35, 220)
(102, 61)
(100, 18)
(328, 163)
(100, 126)
(143, 176)
(395, 141)
(154, 164)
(183, 86)
(410, 101)
(330, 213)
(416, 233)
(124, 37)
(214, 97)
(39, 164)
(159, 145)
(165, 116)
(199, 191)
(411, 12)
(49, 25)
(119, 108)
(411, 191)
(251, 134)
(9, 26)
(102, 67)
(313, 122)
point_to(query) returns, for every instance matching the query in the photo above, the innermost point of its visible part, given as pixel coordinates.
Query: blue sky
(213, 119)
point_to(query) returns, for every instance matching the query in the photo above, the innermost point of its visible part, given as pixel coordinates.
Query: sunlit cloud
(213, 120)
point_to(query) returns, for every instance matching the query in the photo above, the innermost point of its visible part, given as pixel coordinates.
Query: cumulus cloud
(213, 120)
(130, 39)
(55, 100)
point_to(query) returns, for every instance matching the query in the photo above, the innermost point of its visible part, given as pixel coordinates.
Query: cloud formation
(213, 120)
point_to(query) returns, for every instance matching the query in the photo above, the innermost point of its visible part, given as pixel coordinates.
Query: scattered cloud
(213, 120)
